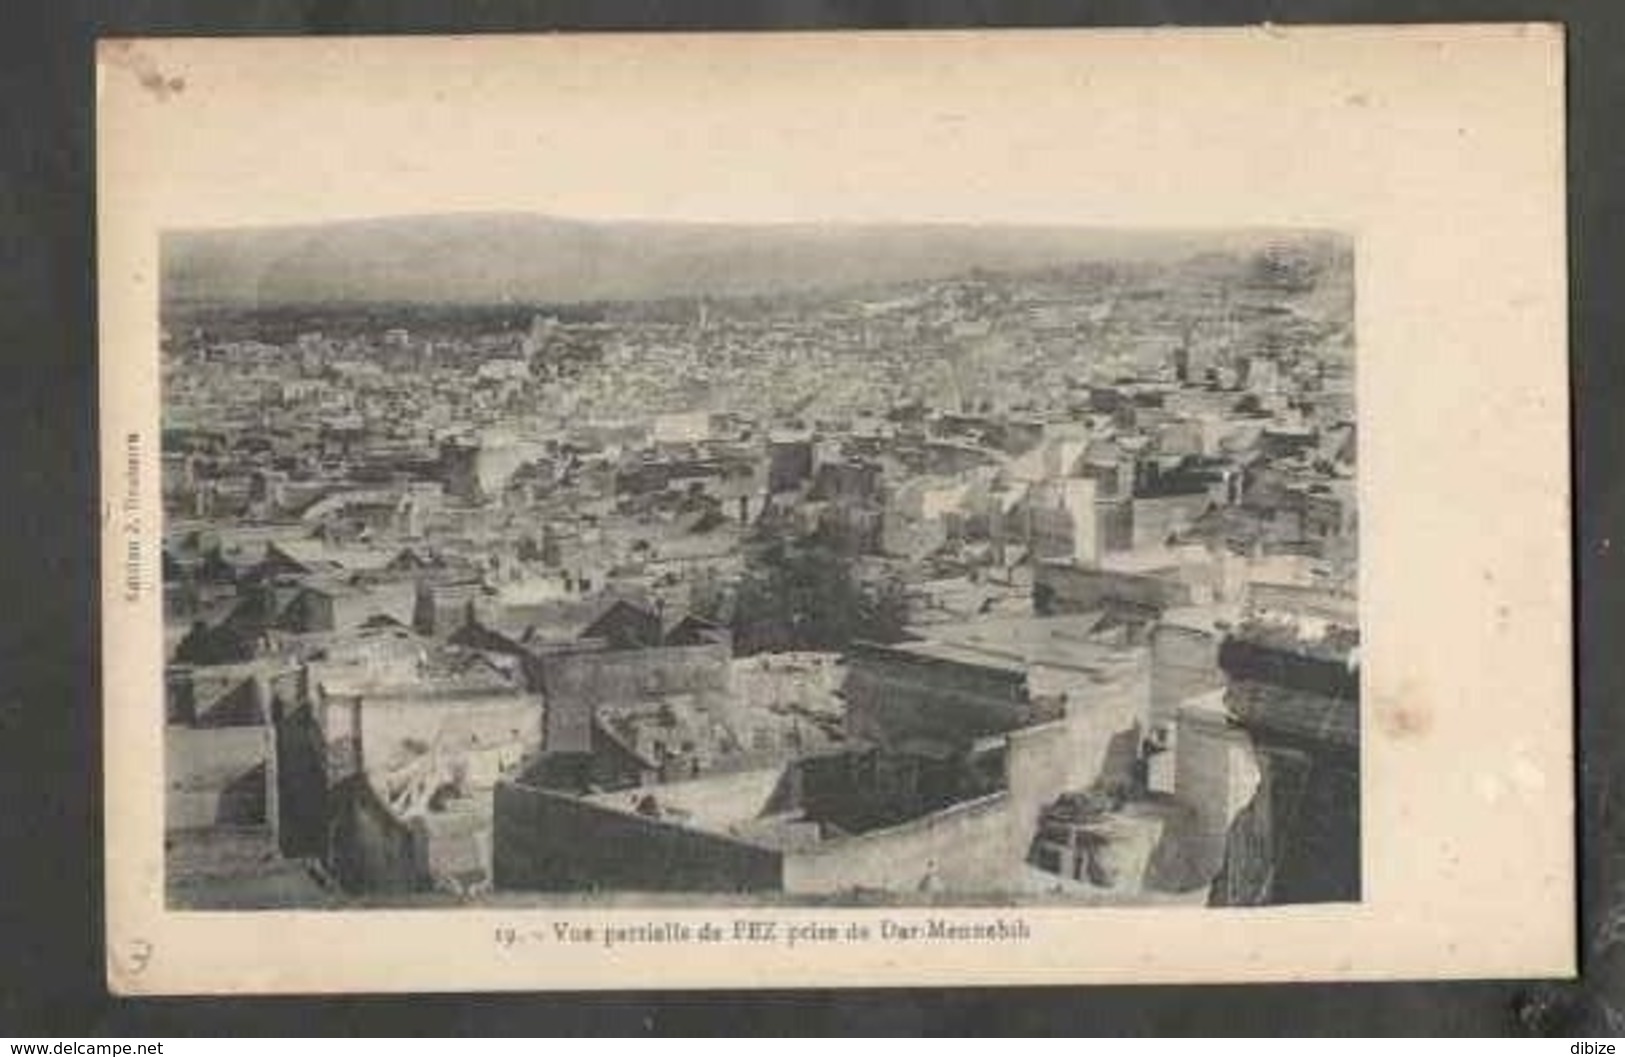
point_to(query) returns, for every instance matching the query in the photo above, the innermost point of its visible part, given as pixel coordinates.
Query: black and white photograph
(517, 560)
(786, 510)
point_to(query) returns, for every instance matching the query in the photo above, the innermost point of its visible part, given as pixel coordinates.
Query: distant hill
(492, 258)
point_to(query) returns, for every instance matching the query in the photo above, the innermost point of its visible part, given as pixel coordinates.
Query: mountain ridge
(487, 258)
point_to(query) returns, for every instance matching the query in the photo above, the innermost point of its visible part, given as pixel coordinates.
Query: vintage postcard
(816, 509)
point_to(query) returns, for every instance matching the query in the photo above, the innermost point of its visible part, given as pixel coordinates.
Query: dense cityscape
(997, 584)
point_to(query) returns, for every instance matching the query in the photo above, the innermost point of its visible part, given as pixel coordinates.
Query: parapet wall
(962, 848)
(1216, 774)
(372, 850)
(1184, 663)
(1043, 762)
(895, 695)
(552, 842)
(1080, 589)
(215, 777)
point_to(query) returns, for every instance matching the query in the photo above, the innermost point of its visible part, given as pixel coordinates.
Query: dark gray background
(50, 750)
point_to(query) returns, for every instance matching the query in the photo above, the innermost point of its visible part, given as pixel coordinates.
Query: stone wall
(1042, 763)
(894, 695)
(301, 783)
(548, 841)
(960, 849)
(372, 850)
(215, 777)
(1076, 589)
(1106, 719)
(1184, 662)
(1215, 775)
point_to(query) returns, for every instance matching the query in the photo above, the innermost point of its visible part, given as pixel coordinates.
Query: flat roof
(1020, 642)
(1203, 617)
(958, 654)
(1152, 559)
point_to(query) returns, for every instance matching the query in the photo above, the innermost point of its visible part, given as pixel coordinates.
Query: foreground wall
(963, 848)
(1184, 663)
(1215, 775)
(216, 777)
(1043, 763)
(372, 850)
(553, 842)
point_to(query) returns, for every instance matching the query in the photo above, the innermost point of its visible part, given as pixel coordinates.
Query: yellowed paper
(1431, 157)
